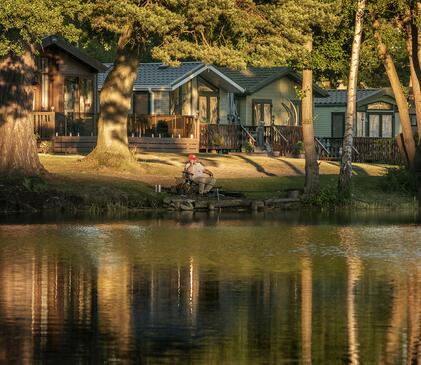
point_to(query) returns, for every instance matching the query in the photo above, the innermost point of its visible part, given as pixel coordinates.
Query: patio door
(208, 109)
(71, 95)
(262, 112)
(208, 102)
(380, 125)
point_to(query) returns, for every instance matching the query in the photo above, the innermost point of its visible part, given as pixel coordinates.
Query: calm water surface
(212, 290)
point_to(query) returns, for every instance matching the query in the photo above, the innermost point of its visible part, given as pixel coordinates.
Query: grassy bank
(72, 185)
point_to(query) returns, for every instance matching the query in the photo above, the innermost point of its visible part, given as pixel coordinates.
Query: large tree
(23, 24)
(388, 20)
(219, 32)
(345, 174)
(289, 40)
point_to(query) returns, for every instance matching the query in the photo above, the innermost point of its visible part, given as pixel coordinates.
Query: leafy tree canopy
(24, 22)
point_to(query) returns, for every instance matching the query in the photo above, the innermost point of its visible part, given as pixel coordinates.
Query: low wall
(85, 144)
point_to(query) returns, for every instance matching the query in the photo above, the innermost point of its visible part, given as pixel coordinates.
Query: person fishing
(199, 175)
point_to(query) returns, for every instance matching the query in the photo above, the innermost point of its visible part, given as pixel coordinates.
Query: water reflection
(224, 293)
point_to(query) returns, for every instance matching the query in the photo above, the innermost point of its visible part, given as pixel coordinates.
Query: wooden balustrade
(366, 149)
(44, 124)
(183, 126)
(220, 137)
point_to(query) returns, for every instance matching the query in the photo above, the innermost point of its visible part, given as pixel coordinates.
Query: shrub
(45, 147)
(248, 147)
(327, 197)
(218, 139)
(400, 180)
(35, 184)
(298, 148)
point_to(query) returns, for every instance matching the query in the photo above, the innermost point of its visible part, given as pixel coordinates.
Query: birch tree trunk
(345, 174)
(18, 148)
(112, 147)
(311, 186)
(400, 98)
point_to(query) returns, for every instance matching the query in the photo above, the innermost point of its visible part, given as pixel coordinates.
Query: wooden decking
(76, 133)
(85, 144)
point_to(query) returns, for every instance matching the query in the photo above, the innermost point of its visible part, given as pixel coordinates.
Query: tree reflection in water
(227, 293)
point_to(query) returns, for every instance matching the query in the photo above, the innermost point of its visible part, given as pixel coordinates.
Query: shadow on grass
(257, 166)
(357, 170)
(292, 167)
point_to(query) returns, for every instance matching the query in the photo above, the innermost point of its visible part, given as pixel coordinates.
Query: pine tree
(23, 24)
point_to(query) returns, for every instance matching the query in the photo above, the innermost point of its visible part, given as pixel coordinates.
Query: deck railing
(165, 126)
(49, 124)
(365, 149)
(221, 137)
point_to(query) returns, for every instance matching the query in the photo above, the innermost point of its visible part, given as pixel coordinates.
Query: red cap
(192, 157)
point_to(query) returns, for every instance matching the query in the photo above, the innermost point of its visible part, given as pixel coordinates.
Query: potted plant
(298, 150)
(248, 147)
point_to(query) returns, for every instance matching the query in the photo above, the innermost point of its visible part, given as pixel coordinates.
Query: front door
(338, 125)
(262, 112)
(208, 102)
(208, 109)
(71, 99)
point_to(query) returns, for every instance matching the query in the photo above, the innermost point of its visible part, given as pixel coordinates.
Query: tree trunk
(311, 185)
(18, 148)
(112, 147)
(414, 79)
(400, 98)
(345, 174)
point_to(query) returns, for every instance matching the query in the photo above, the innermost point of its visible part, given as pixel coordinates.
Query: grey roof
(55, 40)
(339, 97)
(255, 78)
(157, 75)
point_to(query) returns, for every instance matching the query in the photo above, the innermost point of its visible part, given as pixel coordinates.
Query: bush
(400, 180)
(248, 147)
(327, 197)
(218, 139)
(298, 148)
(45, 147)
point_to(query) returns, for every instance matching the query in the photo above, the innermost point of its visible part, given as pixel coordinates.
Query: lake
(281, 288)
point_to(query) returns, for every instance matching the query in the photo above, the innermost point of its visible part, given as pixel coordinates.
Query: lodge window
(380, 125)
(262, 112)
(141, 102)
(338, 125)
(78, 95)
(176, 102)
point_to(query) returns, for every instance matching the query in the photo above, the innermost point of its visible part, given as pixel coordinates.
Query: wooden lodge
(190, 108)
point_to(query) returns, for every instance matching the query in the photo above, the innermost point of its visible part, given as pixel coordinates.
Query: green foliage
(400, 180)
(35, 184)
(298, 148)
(326, 198)
(217, 139)
(248, 147)
(24, 22)
(45, 146)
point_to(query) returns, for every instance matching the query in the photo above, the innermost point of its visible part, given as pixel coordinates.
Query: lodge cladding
(65, 87)
(204, 107)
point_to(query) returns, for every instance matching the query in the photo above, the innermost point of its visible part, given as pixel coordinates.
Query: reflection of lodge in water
(54, 307)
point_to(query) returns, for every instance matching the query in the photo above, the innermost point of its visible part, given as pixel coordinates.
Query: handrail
(355, 150)
(322, 145)
(274, 127)
(248, 133)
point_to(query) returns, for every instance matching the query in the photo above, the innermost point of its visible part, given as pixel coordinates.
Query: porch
(76, 133)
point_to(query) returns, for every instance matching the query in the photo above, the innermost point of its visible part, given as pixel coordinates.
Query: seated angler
(200, 175)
